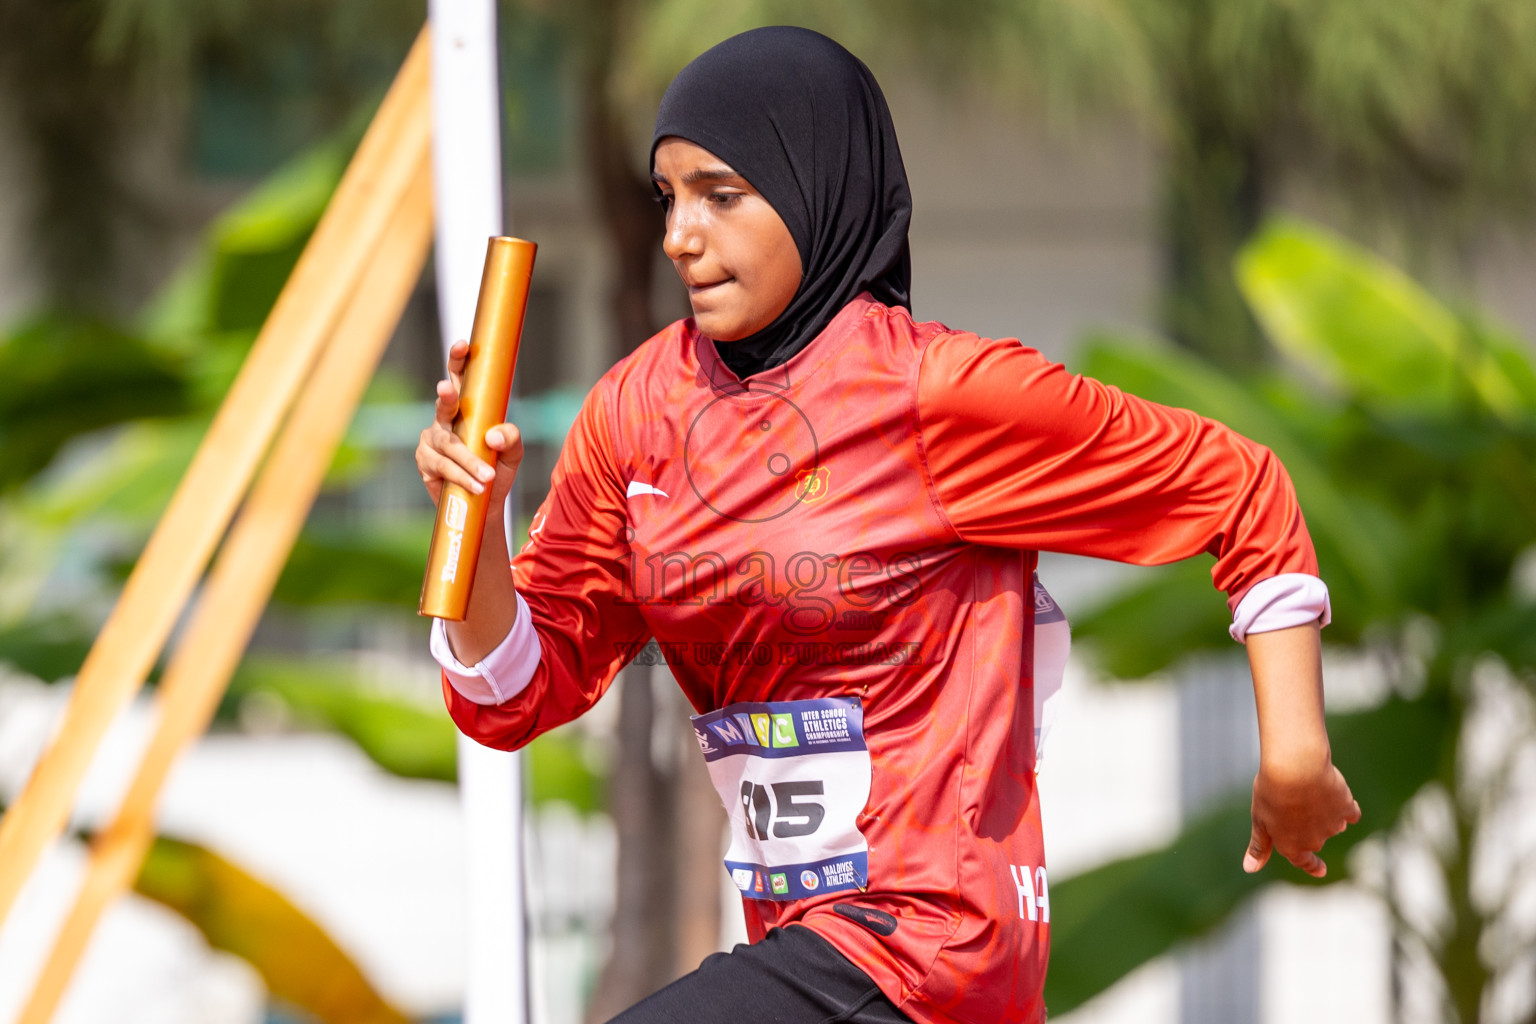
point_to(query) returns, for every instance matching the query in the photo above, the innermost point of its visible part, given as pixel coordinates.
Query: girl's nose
(683, 237)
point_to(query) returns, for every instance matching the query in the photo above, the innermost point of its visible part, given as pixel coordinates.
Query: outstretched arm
(1299, 797)
(1024, 454)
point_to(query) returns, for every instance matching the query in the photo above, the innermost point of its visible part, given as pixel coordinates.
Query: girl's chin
(721, 328)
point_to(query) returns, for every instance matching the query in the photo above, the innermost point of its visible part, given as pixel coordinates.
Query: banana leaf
(249, 252)
(404, 738)
(1174, 377)
(1154, 624)
(1506, 629)
(240, 914)
(46, 648)
(407, 738)
(1110, 920)
(63, 376)
(125, 481)
(373, 567)
(1368, 328)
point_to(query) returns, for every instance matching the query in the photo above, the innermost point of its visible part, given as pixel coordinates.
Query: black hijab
(804, 121)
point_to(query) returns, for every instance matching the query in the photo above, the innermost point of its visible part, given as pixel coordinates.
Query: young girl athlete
(827, 514)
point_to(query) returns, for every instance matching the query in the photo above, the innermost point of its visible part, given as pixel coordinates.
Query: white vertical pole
(466, 170)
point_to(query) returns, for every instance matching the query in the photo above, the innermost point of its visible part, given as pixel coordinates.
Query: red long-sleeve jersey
(856, 531)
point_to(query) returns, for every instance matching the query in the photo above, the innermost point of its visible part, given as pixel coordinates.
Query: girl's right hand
(441, 457)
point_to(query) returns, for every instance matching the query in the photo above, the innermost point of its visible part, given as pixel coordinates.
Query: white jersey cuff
(501, 674)
(1290, 599)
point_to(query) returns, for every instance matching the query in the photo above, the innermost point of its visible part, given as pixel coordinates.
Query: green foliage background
(1406, 424)
(1409, 430)
(97, 423)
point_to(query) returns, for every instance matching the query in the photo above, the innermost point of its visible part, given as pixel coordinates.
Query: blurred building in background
(1018, 231)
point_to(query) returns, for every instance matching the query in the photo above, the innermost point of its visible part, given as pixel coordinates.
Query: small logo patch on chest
(811, 484)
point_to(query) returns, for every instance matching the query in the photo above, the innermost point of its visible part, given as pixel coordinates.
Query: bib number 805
(786, 812)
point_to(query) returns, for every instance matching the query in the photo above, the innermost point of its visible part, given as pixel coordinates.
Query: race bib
(794, 777)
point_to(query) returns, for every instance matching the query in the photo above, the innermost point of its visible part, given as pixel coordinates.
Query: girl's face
(728, 244)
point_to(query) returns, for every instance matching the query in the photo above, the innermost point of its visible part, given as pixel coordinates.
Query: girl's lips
(695, 289)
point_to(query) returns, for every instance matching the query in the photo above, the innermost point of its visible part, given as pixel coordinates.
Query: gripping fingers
(447, 402)
(458, 355)
(436, 465)
(441, 455)
(507, 441)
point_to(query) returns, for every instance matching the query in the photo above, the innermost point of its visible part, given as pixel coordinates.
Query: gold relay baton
(487, 387)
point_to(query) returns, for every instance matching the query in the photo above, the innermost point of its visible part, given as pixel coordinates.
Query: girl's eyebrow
(701, 174)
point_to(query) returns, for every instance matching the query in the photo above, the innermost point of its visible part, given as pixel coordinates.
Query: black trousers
(793, 976)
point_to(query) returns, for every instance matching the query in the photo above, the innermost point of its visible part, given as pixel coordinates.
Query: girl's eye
(665, 199)
(724, 198)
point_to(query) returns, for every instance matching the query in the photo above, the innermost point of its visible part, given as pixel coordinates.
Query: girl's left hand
(1295, 812)
(1299, 798)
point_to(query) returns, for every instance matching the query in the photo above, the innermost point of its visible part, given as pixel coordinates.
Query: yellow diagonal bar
(283, 355)
(246, 571)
